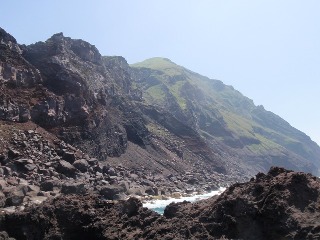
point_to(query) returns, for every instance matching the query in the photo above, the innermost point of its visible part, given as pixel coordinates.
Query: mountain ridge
(81, 133)
(267, 125)
(175, 117)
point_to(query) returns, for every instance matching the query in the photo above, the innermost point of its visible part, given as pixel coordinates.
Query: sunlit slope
(220, 112)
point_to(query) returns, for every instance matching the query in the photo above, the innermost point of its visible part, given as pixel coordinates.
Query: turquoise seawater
(159, 210)
(159, 205)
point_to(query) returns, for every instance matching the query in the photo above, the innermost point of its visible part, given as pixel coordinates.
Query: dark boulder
(82, 165)
(66, 168)
(69, 156)
(131, 206)
(73, 188)
(49, 185)
(112, 192)
(12, 153)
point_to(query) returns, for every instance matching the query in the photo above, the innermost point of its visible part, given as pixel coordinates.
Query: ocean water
(159, 205)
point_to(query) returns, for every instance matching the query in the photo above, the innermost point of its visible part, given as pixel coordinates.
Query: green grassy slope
(220, 111)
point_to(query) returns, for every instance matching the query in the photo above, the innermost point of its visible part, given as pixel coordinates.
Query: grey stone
(2, 199)
(111, 192)
(147, 182)
(33, 188)
(3, 184)
(73, 188)
(66, 168)
(137, 190)
(30, 167)
(49, 185)
(125, 185)
(15, 198)
(82, 165)
(93, 161)
(150, 191)
(112, 172)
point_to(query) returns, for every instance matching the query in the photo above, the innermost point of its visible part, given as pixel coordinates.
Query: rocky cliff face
(247, 136)
(101, 92)
(179, 120)
(77, 124)
(15, 73)
(79, 129)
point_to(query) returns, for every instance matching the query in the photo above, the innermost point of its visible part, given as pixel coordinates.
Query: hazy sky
(267, 49)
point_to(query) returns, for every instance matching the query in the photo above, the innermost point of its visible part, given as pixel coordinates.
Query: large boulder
(82, 165)
(112, 192)
(25, 165)
(73, 188)
(66, 168)
(50, 185)
(15, 195)
(69, 156)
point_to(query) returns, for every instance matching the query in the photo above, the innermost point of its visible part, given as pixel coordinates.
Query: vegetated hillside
(71, 119)
(230, 122)
(156, 118)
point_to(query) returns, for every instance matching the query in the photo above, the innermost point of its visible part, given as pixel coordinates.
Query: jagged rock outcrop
(15, 73)
(14, 70)
(279, 205)
(75, 113)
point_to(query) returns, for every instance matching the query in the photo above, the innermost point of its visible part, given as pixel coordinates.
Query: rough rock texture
(90, 103)
(102, 110)
(280, 205)
(75, 132)
(75, 217)
(46, 167)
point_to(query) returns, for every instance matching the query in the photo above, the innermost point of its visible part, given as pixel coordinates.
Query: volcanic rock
(112, 192)
(81, 164)
(279, 205)
(66, 168)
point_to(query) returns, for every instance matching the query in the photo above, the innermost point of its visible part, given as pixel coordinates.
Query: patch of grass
(162, 64)
(238, 124)
(156, 93)
(175, 90)
(265, 147)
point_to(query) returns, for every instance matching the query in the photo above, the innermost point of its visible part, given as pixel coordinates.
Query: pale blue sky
(267, 49)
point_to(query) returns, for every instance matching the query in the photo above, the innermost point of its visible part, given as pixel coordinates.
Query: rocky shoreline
(279, 205)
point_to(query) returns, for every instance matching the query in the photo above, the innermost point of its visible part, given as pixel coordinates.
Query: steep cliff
(155, 116)
(229, 121)
(70, 115)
